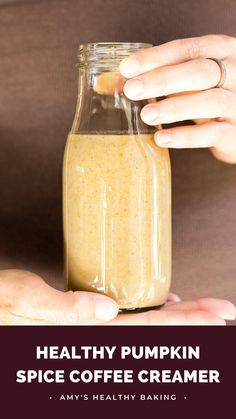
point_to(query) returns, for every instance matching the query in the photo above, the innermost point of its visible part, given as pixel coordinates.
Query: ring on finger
(222, 67)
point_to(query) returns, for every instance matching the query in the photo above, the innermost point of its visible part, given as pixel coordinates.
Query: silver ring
(221, 64)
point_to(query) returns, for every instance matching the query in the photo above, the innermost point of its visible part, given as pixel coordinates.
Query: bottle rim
(103, 53)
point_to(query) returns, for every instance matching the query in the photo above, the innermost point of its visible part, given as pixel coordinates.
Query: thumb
(81, 307)
(33, 298)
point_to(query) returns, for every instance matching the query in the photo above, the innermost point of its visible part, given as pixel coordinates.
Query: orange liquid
(117, 217)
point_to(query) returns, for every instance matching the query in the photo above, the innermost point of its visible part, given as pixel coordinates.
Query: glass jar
(116, 189)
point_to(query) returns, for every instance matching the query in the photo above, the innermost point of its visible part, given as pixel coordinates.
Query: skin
(180, 71)
(26, 299)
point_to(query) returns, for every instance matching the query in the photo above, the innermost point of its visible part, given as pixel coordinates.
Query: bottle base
(139, 309)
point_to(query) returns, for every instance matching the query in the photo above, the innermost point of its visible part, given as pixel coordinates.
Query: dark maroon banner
(116, 400)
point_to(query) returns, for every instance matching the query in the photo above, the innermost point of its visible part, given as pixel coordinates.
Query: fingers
(28, 299)
(77, 307)
(192, 75)
(173, 298)
(82, 307)
(209, 134)
(212, 103)
(204, 311)
(227, 153)
(175, 52)
(221, 308)
(169, 318)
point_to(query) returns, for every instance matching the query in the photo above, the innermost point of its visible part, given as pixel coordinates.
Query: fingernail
(150, 114)
(174, 298)
(163, 138)
(129, 66)
(133, 88)
(231, 313)
(229, 316)
(105, 310)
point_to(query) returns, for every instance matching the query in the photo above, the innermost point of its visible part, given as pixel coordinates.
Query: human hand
(181, 71)
(200, 312)
(25, 299)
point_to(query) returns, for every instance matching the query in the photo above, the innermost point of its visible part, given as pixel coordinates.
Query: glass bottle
(116, 189)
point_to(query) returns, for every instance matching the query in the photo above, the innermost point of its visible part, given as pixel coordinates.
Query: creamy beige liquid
(117, 217)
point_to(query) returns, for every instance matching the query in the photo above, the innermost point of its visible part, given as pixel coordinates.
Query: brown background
(38, 44)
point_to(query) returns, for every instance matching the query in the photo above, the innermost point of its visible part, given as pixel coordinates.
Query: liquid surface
(117, 217)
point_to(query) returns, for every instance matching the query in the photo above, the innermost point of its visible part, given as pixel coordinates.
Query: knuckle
(77, 307)
(152, 53)
(191, 48)
(220, 37)
(225, 40)
(29, 278)
(14, 288)
(69, 308)
(85, 305)
(205, 70)
(228, 40)
(20, 291)
(228, 44)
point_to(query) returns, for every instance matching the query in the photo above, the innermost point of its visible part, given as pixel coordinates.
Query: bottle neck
(102, 106)
(106, 56)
